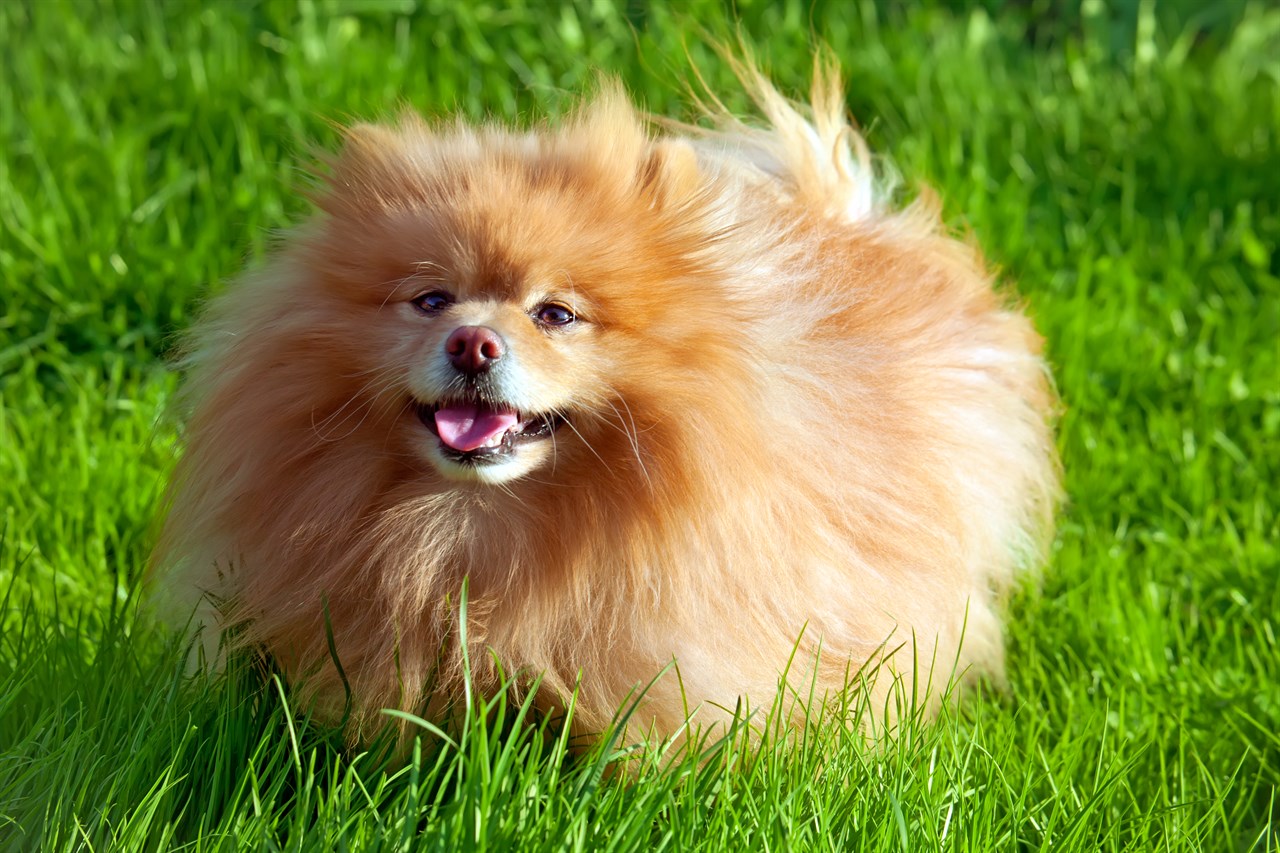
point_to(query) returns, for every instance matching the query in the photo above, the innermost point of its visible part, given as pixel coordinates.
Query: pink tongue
(467, 427)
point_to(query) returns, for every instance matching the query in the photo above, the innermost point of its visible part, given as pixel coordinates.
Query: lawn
(1120, 163)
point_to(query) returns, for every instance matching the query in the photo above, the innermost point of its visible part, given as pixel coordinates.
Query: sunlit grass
(1119, 164)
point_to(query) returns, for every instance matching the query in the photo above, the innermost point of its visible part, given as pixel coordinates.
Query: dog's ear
(669, 175)
(371, 172)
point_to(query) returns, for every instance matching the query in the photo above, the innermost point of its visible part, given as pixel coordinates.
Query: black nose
(474, 349)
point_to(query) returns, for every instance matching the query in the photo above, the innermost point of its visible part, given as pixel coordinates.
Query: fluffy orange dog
(694, 395)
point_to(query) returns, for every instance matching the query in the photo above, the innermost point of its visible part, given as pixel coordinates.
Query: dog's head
(521, 300)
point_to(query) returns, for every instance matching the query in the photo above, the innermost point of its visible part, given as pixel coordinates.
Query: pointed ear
(370, 172)
(669, 175)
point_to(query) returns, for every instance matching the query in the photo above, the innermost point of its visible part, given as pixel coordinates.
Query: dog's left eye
(552, 314)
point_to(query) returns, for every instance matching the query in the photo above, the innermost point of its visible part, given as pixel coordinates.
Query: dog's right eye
(432, 302)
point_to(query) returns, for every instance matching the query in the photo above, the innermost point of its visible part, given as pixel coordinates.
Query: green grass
(1121, 164)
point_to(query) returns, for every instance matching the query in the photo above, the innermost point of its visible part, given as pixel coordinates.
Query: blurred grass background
(1119, 162)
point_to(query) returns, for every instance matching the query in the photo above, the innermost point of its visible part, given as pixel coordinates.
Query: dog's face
(496, 370)
(524, 302)
(490, 392)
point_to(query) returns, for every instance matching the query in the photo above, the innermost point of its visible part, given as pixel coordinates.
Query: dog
(635, 393)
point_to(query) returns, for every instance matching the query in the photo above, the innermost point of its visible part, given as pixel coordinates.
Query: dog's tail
(811, 148)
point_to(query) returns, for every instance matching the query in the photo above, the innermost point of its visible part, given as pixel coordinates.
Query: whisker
(633, 437)
(391, 290)
(569, 423)
(555, 449)
(368, 394)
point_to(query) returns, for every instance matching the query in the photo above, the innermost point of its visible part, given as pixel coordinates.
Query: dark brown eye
(553, 314)
(433, 302)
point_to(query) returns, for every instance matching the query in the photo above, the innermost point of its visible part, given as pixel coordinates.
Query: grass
(1121, 164)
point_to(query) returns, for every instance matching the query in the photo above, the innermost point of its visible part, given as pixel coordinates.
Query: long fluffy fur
(796, 416)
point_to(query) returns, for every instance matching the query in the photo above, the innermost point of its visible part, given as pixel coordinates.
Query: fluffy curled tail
(811, 149)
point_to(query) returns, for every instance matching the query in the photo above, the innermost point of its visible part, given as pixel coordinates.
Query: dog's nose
(474, 349)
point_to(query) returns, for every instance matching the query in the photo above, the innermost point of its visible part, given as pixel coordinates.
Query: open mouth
(481, 433)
